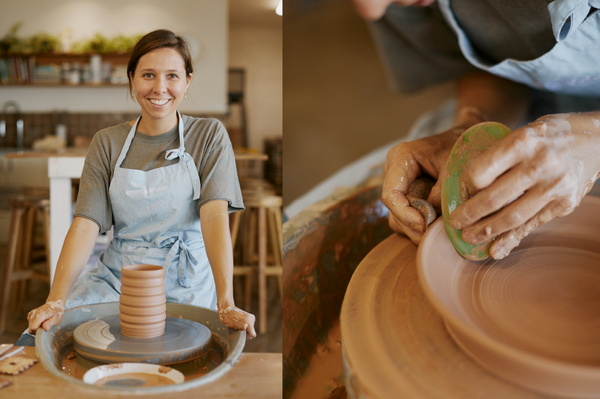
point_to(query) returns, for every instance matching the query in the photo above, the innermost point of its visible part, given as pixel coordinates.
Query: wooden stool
(263, 225)
(21, 255)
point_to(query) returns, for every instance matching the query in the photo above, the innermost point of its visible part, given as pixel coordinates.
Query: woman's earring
(132, 93)
(185, 96)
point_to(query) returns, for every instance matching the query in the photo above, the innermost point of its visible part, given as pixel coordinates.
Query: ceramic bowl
(532, 318)
(133, 375)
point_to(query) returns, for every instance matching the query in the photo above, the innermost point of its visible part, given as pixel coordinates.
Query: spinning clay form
(469, 146)
(142, 301)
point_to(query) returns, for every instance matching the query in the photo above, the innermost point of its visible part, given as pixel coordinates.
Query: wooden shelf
(17, 70)
(57, 58)
(82, 85)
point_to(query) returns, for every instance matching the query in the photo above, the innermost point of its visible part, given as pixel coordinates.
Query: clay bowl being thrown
(142, 314)
(532, 318)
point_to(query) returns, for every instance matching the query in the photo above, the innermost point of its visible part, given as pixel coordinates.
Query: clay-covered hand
(536, 173)
(405, 162)
(236, 318)
(46, 316)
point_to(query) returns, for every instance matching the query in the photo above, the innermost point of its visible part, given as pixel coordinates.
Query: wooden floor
(38, 291)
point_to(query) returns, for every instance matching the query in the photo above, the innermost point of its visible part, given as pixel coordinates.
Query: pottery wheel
(102, 340)
(395, 344)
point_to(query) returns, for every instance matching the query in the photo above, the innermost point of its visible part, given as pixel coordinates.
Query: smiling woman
(166, 182)
(160, 72)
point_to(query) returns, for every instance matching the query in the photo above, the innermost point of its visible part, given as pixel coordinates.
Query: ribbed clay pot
(142, 307)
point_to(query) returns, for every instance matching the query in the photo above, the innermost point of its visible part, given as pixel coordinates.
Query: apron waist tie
(187, 261)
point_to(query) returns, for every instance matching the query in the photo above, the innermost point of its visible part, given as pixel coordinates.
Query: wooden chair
(22, 256)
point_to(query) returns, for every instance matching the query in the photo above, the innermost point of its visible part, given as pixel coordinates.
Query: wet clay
(234, 318)
(320, 257)
(417, 195)
(49, 310)
(324, 375)
(142, 309)
(532, 318)
(469, 146)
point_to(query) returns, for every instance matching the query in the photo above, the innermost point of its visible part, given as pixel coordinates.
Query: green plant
(45, 43)
(41, 43)
(11, 42)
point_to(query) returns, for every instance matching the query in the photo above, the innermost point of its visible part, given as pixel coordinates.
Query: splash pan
(49, 344)
(532, 318)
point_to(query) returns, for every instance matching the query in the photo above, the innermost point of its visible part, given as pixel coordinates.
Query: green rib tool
(470, 144)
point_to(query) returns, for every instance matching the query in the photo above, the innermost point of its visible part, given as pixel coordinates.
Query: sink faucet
(17, 110)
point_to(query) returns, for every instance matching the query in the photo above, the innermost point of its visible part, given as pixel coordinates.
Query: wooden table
(254, 375)
(63, 166)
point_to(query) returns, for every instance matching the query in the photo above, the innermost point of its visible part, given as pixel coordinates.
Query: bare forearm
(217, 240)
(482, 96)
(75, 253)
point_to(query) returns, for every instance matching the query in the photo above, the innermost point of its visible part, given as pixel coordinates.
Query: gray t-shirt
(206, 140)
(420, 49)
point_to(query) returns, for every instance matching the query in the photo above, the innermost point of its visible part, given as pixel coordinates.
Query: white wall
(258, 50)
(206, 21)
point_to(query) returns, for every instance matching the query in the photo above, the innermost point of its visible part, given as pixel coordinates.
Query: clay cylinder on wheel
(142, 309)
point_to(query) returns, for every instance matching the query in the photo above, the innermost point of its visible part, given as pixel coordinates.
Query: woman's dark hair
(160, 38)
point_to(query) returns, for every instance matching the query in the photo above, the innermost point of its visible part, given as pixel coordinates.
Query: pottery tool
(17, 350)
(5, 348)
(102, 340)
(15, 365)
(469, 146)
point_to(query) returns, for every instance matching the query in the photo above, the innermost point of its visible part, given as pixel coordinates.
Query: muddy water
(75, 365)
(324, 377)
(134, 379)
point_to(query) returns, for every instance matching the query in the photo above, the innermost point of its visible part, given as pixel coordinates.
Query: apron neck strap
(172, 154)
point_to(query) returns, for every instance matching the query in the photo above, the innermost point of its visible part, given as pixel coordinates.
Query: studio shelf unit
(61, 69)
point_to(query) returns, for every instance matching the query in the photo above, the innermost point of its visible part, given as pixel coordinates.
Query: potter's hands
(553, 162)
(46, 316)
(405, 162)
(234, 317)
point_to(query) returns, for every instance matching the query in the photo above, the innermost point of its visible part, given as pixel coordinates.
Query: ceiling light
(279, 9)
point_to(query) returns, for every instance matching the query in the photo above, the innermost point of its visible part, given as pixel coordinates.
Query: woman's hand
(405, 162)
(46, 316)
(236, 318)
(541, 171)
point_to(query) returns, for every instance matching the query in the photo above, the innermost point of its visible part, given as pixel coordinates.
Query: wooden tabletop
(254, 376)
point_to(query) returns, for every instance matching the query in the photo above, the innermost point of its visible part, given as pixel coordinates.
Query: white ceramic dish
(133, 375)
(532, 318)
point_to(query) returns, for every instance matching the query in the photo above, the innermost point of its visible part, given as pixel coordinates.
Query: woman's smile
(159, 83)
(159, 102)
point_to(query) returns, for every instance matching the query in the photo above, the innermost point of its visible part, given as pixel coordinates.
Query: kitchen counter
(254, 375)
(28, 153)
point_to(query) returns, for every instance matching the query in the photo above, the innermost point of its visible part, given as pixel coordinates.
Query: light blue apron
(156, 222)
(573, 64)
